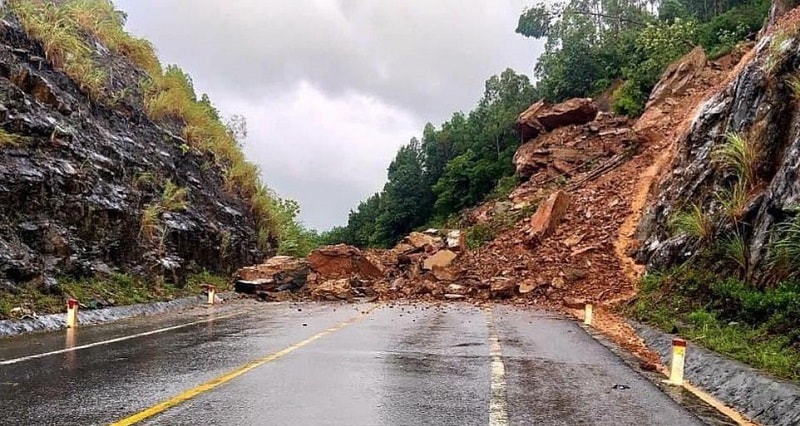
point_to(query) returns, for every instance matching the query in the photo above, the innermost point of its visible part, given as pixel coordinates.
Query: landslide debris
(587, 173)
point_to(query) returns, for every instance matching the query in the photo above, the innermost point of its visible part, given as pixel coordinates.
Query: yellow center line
(207, 386)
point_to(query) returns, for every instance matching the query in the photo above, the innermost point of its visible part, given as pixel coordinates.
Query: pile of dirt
(575, 248)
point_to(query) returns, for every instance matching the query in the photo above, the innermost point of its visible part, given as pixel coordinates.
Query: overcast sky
(331, 88)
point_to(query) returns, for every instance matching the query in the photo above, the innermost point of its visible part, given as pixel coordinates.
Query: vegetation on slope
(592, 45)
(67, 31)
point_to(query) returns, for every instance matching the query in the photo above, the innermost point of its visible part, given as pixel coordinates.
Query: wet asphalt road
(398, 365)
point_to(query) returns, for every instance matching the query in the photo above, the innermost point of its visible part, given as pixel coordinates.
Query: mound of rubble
(589, 175)
(419, 266)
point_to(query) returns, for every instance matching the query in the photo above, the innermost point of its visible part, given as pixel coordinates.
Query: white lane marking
(118, 339)
(498, 404)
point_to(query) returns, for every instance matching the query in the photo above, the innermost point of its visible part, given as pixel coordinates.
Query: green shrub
(629, 100)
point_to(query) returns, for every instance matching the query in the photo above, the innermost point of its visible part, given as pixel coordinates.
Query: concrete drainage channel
(761, 398)
(99, 316)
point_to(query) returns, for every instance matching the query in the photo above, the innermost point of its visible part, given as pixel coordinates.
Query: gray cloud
(332, 88)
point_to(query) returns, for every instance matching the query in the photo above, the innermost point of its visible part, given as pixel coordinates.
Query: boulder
(529, 285)
(547, 218)
(528, 125)
(542, 117)
(456, 289)
(441, 259)
(445, 274)
(279, 273)
(573, 302)
(502, 287)
(420, 241)
(333, 290)
(342, 261)
(567, 113)
(456, 241)
(679, 76)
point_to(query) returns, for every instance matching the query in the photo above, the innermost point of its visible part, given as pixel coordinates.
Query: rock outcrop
(542, 117)
(77, 178)
(759, 110)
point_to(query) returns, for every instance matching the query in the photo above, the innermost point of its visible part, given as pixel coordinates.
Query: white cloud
(327, 152)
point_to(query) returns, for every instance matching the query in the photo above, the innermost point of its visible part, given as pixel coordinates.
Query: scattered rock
(573, 302)
(548, 216)
(679, 76)
(333, 290)
(441, 259)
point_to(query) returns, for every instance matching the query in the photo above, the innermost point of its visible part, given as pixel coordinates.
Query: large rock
(279, 273)
(456, 241)
(546, 219)
(502, 287)
(441, 259)
(342, 261)
(332, 290)
(424, 241)
(528, 125)
(567, 113)
(679, 76)
(542, 117)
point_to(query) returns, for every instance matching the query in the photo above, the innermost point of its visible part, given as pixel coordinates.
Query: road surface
(328, 364)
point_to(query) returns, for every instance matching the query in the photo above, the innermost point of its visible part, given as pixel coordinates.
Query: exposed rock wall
(77, 176)
(757, 105)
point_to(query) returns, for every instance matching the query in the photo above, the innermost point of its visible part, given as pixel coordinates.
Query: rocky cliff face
(87, 189)
(759, 109)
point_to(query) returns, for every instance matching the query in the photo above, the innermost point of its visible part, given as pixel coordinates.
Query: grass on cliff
(8, 139)
(117, 288)
(758, 327)
(692, 222)
(65, 30)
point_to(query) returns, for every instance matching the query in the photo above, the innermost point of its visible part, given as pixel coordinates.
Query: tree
(406, 200)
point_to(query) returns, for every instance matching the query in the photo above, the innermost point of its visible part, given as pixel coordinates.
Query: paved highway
(328, 364)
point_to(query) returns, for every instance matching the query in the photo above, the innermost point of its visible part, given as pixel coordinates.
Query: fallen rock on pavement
(279, 273)
(333, 290)
(342, 261)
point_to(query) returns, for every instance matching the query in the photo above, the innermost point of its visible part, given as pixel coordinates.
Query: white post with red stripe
(72, 313)
(678, 359)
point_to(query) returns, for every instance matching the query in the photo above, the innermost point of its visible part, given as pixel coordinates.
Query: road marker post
(72, 313)
(678, 359)
(212, 294)
(588, 314)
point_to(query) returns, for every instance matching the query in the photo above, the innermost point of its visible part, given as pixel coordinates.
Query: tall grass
(692, 222)
(9, 139)
(785, 250)
(794, 85)
(734, 248)
(173, 198)
(739, 155)
(734, 201)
